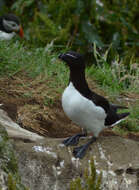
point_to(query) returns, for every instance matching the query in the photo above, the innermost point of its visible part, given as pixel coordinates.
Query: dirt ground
(23, 99)
(33, 105)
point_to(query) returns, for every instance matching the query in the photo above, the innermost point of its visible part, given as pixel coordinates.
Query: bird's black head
(11, 17)
(73, 59)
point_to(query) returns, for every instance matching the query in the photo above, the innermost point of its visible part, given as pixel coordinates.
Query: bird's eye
(13, 25)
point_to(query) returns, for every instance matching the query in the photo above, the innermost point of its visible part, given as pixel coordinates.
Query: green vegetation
(89, 181)
(78, 24)
(115, 78)
(15, 58)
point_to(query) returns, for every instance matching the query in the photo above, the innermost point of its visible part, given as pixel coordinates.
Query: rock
(45, 164)
(9, 176)
(50, 165)
(15, 131)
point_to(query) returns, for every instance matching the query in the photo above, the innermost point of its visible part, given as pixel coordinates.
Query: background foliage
(77, 24)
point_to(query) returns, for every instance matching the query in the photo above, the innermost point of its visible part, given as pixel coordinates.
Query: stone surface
(9, 176)
(14, 130)
(45, 164)
(49, 165)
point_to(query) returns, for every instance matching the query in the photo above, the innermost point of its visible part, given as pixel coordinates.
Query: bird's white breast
(83, 111)
(6, 36)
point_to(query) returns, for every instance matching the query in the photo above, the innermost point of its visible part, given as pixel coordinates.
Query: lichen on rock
(9, 177)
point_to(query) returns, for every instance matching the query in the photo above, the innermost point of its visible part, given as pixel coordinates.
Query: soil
(36, 107)
(23, 100)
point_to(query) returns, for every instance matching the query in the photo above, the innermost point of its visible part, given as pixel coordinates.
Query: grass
(89, 181)
(15, 58)
(132, 124)
(115, 77)
(42, 65)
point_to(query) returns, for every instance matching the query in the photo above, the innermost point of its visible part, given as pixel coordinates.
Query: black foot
(73, 140)
(79, 152)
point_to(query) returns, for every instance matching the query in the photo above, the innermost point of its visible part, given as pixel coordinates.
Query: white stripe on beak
(71, 55)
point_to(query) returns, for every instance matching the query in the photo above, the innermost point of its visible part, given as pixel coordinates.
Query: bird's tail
(121, 117)
(116, 107)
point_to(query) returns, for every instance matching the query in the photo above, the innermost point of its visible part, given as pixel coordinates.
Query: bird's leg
(74, 139)
(80, 151)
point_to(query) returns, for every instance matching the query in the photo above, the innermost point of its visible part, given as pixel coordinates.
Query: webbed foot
(79, 152)
(73, 140)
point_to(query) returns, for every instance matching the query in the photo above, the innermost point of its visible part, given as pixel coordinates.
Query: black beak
(61, 56)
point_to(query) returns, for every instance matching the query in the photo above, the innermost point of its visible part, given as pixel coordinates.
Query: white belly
(6, 36)
(83, 111)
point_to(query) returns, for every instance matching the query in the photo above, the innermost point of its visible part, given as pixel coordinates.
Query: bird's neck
(77, 77)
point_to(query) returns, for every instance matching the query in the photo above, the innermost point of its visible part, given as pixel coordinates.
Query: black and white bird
(9, 26)
(84, 107)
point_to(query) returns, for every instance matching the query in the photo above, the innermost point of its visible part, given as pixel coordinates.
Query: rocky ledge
(45, 164)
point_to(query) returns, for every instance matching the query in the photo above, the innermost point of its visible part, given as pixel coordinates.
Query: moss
(89, 181)
(13, 184)
(8, 162)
